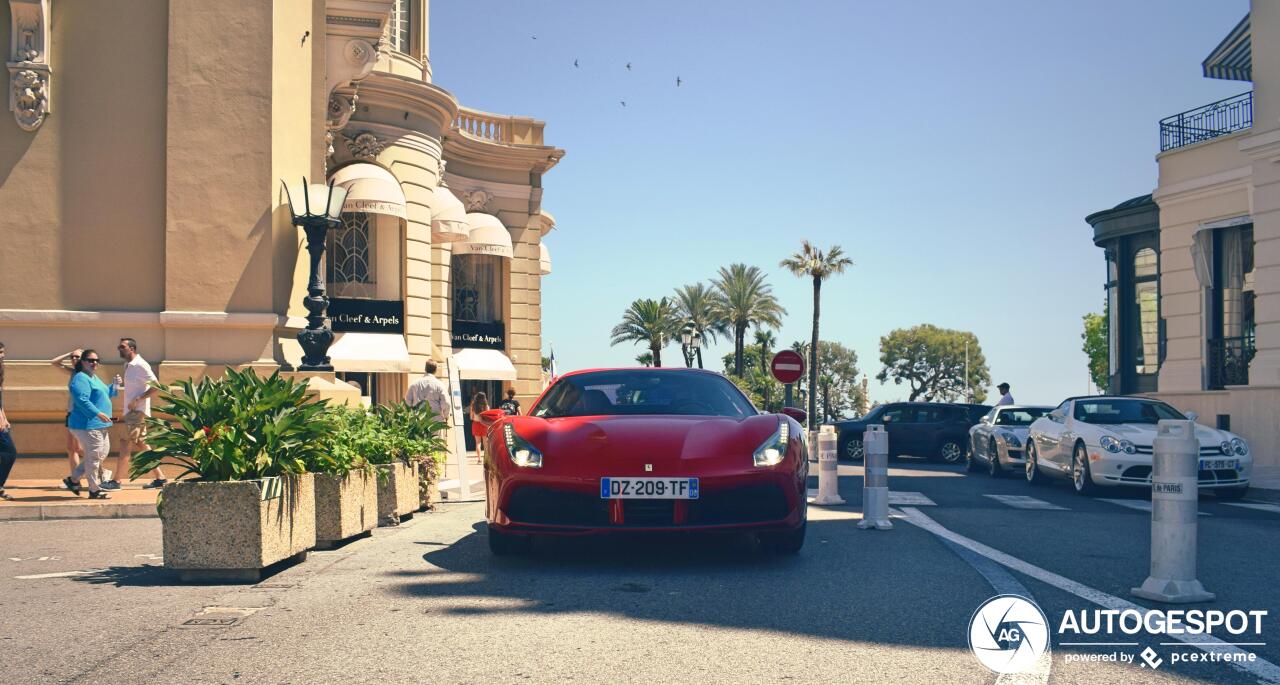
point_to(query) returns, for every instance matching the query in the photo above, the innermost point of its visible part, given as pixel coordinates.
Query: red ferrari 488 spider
(648, 450)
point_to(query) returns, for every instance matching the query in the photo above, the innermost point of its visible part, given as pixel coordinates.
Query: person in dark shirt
(510, 405)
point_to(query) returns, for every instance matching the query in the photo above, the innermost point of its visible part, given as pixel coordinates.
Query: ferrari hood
(649, 438)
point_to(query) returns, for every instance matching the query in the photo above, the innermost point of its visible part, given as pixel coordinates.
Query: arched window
(351, 251)
(1146, 337)
(477, 288)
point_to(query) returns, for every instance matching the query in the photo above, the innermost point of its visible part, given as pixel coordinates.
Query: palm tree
(746, 299)
(766, 341)
(818, 265)
(698, 305)
(801, 348)
(647, 321)
(645, 359)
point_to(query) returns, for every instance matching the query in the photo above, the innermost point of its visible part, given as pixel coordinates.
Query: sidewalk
(41, 500)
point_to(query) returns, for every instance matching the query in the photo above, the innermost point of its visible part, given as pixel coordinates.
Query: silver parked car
(999, 439)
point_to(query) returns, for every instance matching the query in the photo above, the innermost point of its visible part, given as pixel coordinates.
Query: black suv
(924, 429)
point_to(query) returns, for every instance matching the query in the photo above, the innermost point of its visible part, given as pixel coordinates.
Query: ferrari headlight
(774, 449)
(1239, 446)
(1115, 446)
(522, 453)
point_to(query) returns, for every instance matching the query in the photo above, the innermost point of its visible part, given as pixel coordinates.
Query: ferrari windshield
(643, 393)
(1113, 411)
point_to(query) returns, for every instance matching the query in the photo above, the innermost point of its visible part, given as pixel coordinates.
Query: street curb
(57, 512)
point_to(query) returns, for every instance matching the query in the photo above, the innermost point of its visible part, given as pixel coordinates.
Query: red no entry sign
(787, 366)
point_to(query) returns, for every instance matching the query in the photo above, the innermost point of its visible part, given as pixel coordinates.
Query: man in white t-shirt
(431, 390)
(1005, 397)
(138, 392)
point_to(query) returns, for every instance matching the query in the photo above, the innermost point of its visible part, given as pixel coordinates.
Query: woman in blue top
(90, 419)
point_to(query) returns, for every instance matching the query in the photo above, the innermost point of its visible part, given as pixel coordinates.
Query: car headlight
(1226, 448)
(522, 453)
(1239, 446)
(1110, 444)
(774, 449)
(1011, 440)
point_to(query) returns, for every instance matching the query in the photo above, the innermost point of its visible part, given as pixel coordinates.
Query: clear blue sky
(953, 150)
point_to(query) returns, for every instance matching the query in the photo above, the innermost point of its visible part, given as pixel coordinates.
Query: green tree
(765, 341)
(818, 266)
(647, 321)
(801, 348)
(838, 385)
(756, 376)
(1095, 338)
(699, 305)
(745, 299)
(931, 361)
(645, 359)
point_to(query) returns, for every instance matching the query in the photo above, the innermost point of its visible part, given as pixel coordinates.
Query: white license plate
(1219, 464)
(648, 488)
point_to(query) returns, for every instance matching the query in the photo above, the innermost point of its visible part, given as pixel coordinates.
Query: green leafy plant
(240, 427)
(414, 432)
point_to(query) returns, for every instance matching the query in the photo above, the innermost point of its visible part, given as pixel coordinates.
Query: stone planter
(346, 506)
(429, 485)
(398, 494)
(216, 531)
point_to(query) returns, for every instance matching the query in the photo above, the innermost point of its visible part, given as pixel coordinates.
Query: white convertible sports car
(997, 441)
(1106, 441)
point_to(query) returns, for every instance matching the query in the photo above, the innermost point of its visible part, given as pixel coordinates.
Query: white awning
(371, 189)
(544, 259)
(448, 217)
(488, 237)
(483, 365)
(370, 352)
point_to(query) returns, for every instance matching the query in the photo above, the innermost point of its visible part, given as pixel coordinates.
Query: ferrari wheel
(788, 542)
(1034, 476)
(994, 469)
(505, 544)
(1081, 475)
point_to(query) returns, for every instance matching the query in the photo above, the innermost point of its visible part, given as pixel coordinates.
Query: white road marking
(910, 498)
(1260, 668)
(1137, 504)
(1260, 507)
(64, 574)
(1024, 502)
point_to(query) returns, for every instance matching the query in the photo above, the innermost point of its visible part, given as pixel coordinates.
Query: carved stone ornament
(365, 145)
(29, 70)
(341, 107)
(476, 200)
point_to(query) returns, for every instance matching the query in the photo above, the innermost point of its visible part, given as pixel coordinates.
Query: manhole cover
(210, 621)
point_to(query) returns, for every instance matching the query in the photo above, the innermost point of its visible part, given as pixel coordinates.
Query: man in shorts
(138, 392)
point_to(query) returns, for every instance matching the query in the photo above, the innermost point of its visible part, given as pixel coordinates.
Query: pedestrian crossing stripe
(910, 499)
(1024, 502)
(1137, 504)
(1259, 507)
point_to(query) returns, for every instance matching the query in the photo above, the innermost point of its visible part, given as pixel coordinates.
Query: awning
(448, 217)
(488, 237)
(370, 352)
(544, 259)
(1233, 58)
(483, 365)
(371, 189)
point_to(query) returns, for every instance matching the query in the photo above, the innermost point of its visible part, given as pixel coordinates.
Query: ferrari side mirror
(799, 415)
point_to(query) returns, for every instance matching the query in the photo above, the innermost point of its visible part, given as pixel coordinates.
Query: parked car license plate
(648, 488)
(1218, 464)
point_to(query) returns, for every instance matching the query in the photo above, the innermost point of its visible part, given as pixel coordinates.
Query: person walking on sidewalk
(138, 392)
(67, 364)
(8, 453)
(510, 405)
(90, 419)
(479, 405)
(431, 390)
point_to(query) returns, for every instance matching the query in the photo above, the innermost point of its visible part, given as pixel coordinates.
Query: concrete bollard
(1174, 514)
(875, 482)
(828, 476)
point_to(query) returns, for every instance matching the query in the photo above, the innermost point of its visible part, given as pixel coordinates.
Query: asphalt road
(425, 602)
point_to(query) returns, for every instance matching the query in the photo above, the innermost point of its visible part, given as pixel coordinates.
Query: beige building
(1194, 268)
(141, 174)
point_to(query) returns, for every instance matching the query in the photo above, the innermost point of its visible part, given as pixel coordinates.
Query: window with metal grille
(351, 257)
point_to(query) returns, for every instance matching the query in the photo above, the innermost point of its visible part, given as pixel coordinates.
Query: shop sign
(487, 336)
(351, 315)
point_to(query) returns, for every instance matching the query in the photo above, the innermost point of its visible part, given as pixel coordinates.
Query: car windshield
(1019, 417)
(643, 393)
(1124, 411)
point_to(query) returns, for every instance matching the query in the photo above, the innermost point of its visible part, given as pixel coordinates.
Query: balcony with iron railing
(499, 128)
(1229, 361)
(1208, 122)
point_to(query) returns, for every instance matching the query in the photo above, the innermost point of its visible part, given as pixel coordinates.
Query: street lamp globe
(315, 208)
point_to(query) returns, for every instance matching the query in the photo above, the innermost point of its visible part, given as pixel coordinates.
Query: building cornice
(427, 100)
(1195, 188)
(463, 147)
(165, 319)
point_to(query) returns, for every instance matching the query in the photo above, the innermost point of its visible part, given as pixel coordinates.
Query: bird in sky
(678, 82)
(624, 102)
(535, 38)
(575, 64)
(628, 66)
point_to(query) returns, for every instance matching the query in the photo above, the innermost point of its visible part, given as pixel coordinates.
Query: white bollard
(1174, 513)
(875, 481)
(828, 476)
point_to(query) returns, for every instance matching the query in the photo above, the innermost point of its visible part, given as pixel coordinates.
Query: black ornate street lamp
(317, 336)
(691, 343)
